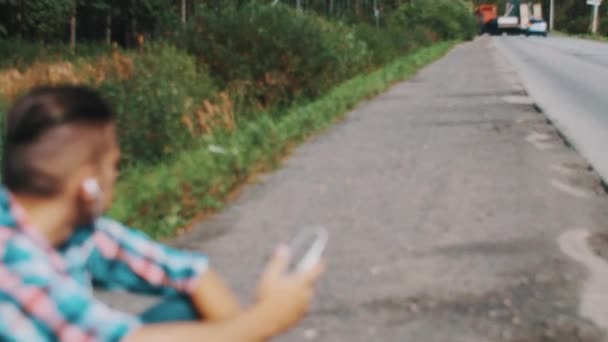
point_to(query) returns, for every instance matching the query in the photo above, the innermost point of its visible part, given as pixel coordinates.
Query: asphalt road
(568, 77)
(447, 200)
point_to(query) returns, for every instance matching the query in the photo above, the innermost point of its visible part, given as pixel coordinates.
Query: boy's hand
(284, 297)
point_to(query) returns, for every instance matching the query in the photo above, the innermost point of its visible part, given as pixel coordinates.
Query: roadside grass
(595, 37)
(589, 36)
(163, 199)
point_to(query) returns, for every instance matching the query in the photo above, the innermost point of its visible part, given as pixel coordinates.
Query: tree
(42, 19)
(108, 9)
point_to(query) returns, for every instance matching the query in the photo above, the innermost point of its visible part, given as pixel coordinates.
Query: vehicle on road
(537, 27)
(518, 18)
(486, 13)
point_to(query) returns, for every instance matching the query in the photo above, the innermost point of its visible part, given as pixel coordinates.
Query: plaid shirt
(46, 293)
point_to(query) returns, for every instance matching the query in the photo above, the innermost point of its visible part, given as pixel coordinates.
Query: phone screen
(307, 247)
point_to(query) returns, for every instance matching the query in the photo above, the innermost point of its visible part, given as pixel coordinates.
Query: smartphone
(307, 247)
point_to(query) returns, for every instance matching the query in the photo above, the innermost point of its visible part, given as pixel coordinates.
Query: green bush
(577, 25)
(384, 44)
(387, 43)
(279, 54)
(603, 27)
(445, 19)
(165, 85)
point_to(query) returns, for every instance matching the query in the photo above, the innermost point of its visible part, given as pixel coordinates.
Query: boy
(59, 166)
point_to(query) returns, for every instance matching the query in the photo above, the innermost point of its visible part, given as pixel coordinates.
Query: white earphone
(91, 186)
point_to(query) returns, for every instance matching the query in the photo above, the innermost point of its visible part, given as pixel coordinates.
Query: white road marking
(570, 189)
(540, 141)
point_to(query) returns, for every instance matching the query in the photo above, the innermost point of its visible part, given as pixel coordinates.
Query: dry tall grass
(210, 115)
(115, 66)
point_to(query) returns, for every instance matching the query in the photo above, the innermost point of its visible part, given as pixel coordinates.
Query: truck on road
(517, 17)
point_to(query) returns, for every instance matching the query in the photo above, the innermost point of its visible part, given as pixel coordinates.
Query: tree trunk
(109, 27)
(184, 12)
(73, 32)
(20, 20)
(133, 31)
(595, 19)
(377, 14)
(19, 26)
(551, 15)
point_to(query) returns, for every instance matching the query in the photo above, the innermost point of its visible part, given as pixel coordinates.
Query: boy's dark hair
(28, 135)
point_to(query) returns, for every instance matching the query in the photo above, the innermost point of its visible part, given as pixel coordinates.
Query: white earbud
(91, 186)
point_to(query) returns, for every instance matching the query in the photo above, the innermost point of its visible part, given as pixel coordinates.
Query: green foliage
(164, 198)
(572, 16)
(445, 19)
(603, 27)
(384, 44)
(165, 84)
(46, 19)
(281, 54)
(268, 58)
(578, 25)
(152, 16)
(417, 24)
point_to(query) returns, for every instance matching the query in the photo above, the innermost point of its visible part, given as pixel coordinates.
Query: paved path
(568, 77)
(445, 198)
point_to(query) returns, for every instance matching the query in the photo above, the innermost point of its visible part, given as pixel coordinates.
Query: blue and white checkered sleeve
(125, 258)
(50, 306)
